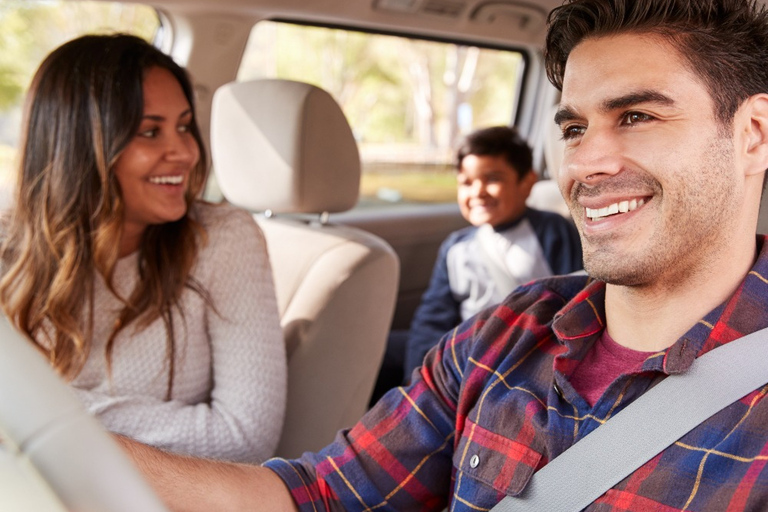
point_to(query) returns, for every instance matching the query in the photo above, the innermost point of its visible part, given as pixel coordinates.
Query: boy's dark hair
(725, 42)
(498, 141)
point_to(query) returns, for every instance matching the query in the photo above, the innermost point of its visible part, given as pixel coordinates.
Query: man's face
(648, 172)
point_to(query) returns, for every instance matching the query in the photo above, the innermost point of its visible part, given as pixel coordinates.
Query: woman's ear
(752, 118)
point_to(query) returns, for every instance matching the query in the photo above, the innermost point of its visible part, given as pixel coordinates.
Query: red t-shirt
(604, 363)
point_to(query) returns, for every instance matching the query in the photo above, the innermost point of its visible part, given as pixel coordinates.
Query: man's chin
(618, 275)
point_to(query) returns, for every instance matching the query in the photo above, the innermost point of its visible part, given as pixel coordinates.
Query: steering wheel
(44, 425)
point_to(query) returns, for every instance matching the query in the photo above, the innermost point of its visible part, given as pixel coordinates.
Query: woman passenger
(159, 308)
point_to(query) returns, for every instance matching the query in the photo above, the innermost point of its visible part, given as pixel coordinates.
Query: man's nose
(596, 155)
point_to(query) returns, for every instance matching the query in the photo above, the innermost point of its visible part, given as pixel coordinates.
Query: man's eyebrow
(636, 98)
(564, 114)
(628, 100)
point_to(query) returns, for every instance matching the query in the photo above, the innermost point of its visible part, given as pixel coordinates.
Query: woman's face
(153, 171)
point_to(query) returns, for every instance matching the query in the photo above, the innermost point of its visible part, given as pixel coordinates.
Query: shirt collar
(579, 323)
(512, 223)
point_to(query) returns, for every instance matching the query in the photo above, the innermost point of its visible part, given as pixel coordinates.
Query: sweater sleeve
(438, 312)
(242, 418)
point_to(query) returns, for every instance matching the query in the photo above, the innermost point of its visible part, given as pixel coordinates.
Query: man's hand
(189, 484)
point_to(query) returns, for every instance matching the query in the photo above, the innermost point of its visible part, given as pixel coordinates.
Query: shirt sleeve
(243, 417)
(397, 458)
(438, 312)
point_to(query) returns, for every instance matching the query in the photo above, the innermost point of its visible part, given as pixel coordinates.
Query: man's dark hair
(498, 141)
(725, 42)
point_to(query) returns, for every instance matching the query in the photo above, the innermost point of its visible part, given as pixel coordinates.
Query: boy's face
(490, 191)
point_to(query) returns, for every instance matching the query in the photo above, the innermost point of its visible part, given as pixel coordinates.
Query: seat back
(285, 147)
(545, 194)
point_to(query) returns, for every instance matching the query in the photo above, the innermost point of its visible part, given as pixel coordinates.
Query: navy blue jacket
(445, 299)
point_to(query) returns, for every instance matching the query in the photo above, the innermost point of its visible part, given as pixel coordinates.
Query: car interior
(350, 258)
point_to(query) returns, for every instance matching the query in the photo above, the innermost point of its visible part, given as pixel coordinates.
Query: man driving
(664, 113)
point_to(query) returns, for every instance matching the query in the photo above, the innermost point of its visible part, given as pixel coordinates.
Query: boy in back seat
(508, 244)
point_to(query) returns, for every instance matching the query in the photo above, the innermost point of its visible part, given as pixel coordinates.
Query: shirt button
(474, 461)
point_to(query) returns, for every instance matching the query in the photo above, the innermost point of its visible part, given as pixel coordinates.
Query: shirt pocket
(493, 460)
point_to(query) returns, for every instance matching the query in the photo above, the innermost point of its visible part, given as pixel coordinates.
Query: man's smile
(596, 214)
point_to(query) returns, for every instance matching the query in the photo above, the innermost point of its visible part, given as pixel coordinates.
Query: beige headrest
(283, 146)
(554, 146)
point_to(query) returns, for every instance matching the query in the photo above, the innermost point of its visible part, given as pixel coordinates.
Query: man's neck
(651, 318)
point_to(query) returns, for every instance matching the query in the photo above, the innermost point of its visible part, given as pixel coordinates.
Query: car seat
(284, 149)
(545, 194)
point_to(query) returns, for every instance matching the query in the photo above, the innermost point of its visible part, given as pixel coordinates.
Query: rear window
(408, 100)
(29, 30)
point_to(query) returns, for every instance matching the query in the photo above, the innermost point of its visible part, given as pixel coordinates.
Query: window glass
(29, 30)
(408, 100)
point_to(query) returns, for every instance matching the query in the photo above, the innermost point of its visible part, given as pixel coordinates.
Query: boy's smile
(490, 190)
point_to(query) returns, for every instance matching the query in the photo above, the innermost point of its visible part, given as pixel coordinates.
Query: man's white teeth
(166, 180)
(620, 207)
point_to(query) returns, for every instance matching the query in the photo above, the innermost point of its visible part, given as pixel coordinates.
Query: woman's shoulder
(227, 228)
(216, 213)
(216, 216)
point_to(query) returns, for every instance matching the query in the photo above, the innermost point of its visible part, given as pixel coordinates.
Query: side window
(408, 100)
(29, 30)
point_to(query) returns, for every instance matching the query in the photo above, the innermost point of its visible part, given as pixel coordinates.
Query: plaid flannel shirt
(492, 404)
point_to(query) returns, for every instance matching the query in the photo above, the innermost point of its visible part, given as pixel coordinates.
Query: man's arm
(188, 484)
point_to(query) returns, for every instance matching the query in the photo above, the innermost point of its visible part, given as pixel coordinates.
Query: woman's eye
(150, 133)
(185, 128)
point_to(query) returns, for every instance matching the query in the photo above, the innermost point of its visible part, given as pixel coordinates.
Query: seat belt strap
(643, 429)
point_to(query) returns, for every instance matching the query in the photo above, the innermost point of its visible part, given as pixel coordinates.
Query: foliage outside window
(408, 101)
(29, 30)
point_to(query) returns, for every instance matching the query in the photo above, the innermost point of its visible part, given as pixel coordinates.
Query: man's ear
(753, 116)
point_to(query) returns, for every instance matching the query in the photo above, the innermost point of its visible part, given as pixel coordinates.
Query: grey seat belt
(647, 426)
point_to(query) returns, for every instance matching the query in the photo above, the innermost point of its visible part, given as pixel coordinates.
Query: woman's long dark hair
(84, 106)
